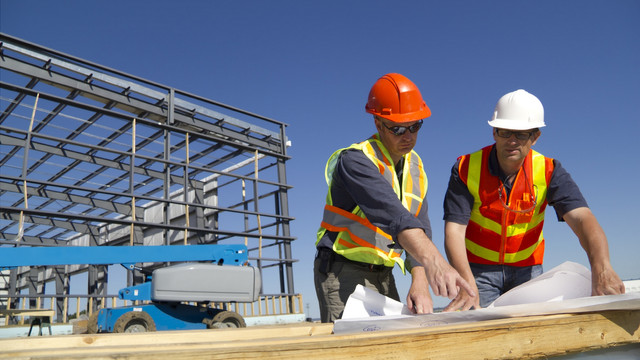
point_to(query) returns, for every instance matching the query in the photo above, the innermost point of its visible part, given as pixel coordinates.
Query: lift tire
(226, 319)
(92, 323)
(134, 321)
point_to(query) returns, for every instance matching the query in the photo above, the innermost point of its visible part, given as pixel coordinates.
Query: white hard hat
(518, 110)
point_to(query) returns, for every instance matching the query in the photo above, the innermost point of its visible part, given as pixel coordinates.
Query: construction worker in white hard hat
(495, 204)
(376, 207)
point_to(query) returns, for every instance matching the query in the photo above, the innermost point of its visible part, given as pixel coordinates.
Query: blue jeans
(495, 280)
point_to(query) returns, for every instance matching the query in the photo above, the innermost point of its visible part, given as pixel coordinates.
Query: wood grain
(521, 338)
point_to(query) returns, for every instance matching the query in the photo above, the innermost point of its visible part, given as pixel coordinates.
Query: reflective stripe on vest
(495, 234)
(357, 238)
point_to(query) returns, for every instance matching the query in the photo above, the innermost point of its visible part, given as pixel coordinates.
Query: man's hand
(464, 301)
(419, 299)
(605, 281)
(443, 278)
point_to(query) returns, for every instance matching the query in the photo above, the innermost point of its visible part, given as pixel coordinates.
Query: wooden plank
(28, 312)
(265, 332)
(522, 338)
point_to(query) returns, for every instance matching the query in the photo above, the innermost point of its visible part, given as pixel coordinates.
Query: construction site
(92, 157)
(154, 223)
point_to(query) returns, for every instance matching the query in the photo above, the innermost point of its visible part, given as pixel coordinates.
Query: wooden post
(65, 310)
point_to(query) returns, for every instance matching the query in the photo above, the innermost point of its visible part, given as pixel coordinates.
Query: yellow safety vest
(358, 239)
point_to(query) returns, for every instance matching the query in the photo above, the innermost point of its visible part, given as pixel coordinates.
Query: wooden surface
(27, 312)
(521, 338)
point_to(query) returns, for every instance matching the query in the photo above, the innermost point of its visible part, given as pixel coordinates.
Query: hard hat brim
(404, 118)
(513, 125)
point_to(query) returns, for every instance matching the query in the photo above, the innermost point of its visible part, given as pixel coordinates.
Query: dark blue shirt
(563, 193)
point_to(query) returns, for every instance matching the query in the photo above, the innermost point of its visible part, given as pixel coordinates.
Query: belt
(333, 256)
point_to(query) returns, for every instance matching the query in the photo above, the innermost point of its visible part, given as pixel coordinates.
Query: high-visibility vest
(501, 230)
(358, 239)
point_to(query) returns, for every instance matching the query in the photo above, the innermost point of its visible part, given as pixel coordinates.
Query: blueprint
(564, 289)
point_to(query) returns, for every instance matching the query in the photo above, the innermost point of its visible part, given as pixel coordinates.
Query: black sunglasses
(520, 135)
(399, 130)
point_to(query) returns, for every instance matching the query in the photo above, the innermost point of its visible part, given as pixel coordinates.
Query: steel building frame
(91, 156)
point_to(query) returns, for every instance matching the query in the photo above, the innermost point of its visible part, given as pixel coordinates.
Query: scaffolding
(92, 156)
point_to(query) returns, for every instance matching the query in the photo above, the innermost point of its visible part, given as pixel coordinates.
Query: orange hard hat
(396, 98)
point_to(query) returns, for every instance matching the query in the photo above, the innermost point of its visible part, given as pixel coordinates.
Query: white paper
(365, 302)
(566, 281)
(629, 301)
(564, 289)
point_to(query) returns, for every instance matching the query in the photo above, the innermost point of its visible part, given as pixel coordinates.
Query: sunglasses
(519, 135)
(399, 130)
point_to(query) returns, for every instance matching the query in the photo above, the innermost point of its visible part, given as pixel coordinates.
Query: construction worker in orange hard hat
(495, 204)
(376, 208)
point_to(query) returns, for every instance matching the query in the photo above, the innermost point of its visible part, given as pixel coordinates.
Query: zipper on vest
(505, 213)
(503, 237)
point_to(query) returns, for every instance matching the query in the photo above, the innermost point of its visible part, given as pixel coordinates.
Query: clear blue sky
(311, 64)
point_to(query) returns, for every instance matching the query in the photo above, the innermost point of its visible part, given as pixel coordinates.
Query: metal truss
(91, 156)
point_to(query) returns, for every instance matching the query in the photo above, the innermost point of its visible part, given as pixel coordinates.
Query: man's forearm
(456, 250)
(443, 278)
(591, 236)
(604, 279)
(418, 244)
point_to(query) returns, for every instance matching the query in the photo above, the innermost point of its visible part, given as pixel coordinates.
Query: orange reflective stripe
(418, 210)
(354, 237)
(356, 218)
(346, 244)
(358, 241)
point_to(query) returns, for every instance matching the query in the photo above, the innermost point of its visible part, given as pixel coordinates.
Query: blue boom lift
(224, 278)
